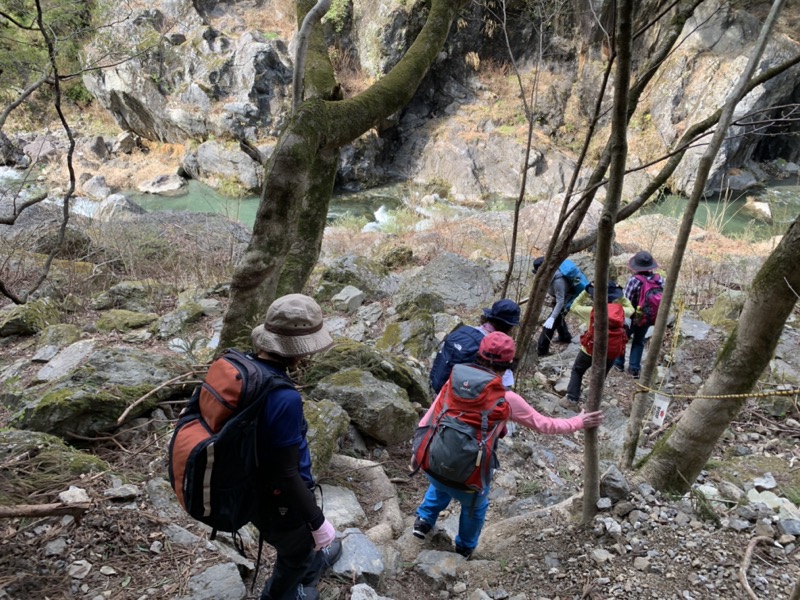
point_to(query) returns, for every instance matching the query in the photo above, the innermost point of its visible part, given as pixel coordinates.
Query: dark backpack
(617, 339)
(649, 299)
(213, 460)
(457, 447)
(459, 347)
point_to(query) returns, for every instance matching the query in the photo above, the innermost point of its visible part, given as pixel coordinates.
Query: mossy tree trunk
(287, 234)
(675, 463)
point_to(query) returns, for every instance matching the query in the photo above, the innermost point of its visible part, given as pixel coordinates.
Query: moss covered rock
(379, 409)
(138, 296)
(349, 353)
(360, 272)
(29, 318)
(118, 319)
(327, 426)
(43, 463)
(60, 335)
(415, 336)
(173, 322)
(726, 309)
(88, 400)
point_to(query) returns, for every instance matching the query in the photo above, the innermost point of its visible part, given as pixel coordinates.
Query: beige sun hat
(293, 327)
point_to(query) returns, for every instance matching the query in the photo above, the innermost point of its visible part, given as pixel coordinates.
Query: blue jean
(637, 333)
(473, 510)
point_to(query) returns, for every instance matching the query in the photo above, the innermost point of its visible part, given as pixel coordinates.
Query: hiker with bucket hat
(288, 517)
(644, 290)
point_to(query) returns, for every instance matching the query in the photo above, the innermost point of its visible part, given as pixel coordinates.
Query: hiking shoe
(634, 374)
(464, 551)
(619, 368)
(306, 592)
(323, 560)
(569, 404)
(421, 528)
(564, 341)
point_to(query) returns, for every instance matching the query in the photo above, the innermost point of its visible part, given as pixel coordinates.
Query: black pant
(560, 327)
(582, 363)
(282, 529)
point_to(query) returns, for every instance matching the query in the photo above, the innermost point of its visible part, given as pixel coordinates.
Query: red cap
(497, 348)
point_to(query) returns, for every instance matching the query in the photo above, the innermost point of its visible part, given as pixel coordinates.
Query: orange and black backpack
(457, 447)
(213, 459)
(617, 339)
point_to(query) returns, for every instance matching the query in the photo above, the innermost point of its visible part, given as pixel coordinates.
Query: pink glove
(324, 536)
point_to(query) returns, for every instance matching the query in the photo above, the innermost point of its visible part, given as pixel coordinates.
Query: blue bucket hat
(505, 310)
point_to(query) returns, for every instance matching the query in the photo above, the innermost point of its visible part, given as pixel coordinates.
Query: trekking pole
(523, 301)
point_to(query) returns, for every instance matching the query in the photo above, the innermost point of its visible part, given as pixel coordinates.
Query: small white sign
(660, 405)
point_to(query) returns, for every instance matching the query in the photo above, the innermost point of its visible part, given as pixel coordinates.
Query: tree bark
(291, 217)
(639, 406)
(676, 461)
(618, 146)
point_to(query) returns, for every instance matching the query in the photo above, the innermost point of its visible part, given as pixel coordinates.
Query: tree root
(748, 554)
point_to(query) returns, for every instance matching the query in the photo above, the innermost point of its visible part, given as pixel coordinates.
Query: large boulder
(415, 336)
(379, 409)
(117, 207)
(458, 281)
(349, 353)
(88, 400)
(217, 164)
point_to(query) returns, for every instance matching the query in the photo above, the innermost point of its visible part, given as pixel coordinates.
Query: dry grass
(348, 72)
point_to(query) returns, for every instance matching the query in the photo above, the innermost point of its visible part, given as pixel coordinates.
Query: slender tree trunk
(618, 151)
(675, 463)
(291, 217)
(640, 402)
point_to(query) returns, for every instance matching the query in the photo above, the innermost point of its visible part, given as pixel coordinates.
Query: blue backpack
(576, 279)
(459, 347)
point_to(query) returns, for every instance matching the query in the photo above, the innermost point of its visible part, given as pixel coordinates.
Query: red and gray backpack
(457, 447)
(213, 461)
(649, 299)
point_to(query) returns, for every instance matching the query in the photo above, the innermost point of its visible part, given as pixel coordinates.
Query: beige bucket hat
(293, 327)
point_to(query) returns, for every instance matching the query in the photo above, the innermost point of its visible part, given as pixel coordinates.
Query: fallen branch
(748, 554)
(43, 510)
(128, 410)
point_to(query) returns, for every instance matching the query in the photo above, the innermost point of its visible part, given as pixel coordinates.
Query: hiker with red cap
(456, 440)
(644, 289)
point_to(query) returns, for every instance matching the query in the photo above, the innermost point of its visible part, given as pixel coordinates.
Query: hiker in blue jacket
(288, 517)
(563, 292)
(643, 266)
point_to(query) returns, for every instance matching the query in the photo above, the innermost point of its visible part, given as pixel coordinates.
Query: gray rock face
(342, 507)
(96, 187)
(66, 360)
(360, 272)
(137, 296)
(169, 97)
(220, 582)
(379, 409)
(456, 280)
(163, 185)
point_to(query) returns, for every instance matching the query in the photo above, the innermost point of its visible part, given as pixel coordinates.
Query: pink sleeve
(524, 414)
(426, 419)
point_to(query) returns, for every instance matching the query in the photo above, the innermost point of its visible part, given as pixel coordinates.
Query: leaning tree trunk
(639, 407)
(675, 463)
(291, 216)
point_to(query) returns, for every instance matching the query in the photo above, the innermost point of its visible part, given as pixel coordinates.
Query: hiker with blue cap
(461, 345)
